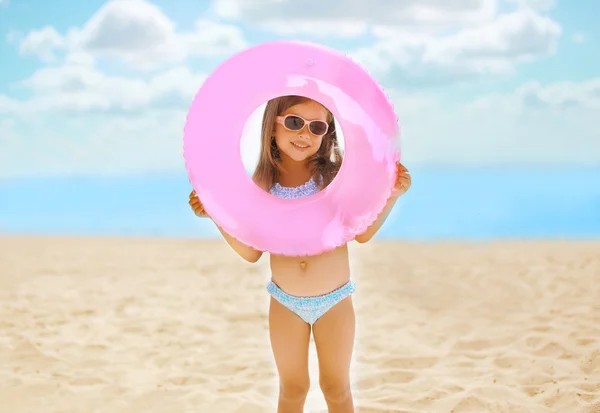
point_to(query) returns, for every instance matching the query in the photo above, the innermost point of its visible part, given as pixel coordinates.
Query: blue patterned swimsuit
(305, 190)
(309, 309)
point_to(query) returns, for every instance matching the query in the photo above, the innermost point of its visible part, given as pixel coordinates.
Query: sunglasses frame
(281, 121)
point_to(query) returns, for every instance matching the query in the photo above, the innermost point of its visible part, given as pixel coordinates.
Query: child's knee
(335, 390)
(294, 390)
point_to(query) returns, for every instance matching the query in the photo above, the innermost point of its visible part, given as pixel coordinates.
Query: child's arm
(403, 182)
(244, 251)
(375, 226)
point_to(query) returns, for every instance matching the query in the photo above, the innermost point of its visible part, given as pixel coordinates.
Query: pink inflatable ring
(335, 215)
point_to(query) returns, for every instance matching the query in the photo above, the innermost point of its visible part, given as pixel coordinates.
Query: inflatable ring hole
(297, 130)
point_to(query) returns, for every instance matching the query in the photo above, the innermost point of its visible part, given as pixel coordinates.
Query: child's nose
(304, 132)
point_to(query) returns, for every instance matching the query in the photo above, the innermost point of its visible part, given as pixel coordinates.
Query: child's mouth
(300, 146)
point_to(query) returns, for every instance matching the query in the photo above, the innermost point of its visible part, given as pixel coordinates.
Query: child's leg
(334, 339)
(290, 338)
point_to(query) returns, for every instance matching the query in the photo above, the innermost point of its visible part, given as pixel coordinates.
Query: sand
(151, 325)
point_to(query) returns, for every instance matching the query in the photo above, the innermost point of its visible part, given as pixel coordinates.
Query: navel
(303, 265)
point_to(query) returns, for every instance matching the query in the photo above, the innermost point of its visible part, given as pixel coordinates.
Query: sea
(444, 203)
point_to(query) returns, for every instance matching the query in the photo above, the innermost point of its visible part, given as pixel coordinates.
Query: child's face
(300, 145)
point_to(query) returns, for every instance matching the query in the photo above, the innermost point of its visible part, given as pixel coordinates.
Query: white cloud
(458, 38)
(81, 120)
(349, 18)
(535, 123)
(134, 30)
(8, 105)
(96, 144)
(325, 28)
(43, 43)
(542, 5)
(137, 32)
(512, 38)
(211, 38)
(81, 88)
(564, 98)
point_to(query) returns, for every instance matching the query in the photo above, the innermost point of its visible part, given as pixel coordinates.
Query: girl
(300, 156)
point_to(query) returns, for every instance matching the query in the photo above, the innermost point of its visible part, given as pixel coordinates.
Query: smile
(300, 145)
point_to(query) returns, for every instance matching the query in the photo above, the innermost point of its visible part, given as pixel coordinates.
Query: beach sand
(157, 325)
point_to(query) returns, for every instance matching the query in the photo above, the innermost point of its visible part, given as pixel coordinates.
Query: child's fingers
(200, 211)
(402, 168)
(404, 180)
(403, 174)
(195, 204)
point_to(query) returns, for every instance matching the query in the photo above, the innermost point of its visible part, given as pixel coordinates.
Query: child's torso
(314, 275)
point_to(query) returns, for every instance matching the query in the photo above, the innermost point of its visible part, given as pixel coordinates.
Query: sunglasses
(295, 123)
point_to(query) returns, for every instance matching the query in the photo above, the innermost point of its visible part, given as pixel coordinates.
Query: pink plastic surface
(300, 227)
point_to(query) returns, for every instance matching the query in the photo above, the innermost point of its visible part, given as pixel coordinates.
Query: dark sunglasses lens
(318, 127)
(294, 123)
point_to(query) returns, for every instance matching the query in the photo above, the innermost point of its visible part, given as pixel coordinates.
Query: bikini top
(305, 190)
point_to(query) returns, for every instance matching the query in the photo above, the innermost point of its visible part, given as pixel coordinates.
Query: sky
(96, 88)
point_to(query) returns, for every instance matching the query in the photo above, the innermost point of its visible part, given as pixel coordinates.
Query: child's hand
(196, 205)
(403, 181)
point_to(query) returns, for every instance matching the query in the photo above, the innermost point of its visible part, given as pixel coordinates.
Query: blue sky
(103, 87)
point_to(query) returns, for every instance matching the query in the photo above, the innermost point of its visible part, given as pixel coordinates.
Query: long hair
(324, 165)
